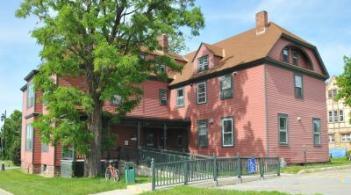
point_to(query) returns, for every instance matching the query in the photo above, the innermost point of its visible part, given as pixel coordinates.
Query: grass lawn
(203, 191)
(19, 183)
(333, 163)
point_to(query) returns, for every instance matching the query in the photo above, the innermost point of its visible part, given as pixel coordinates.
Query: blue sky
(324, 23)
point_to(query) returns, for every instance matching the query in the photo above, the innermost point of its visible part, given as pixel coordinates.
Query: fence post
(186, 172)
(261, 164)
(153, 174)
(278, 168)
(239, 168)
(215, 170)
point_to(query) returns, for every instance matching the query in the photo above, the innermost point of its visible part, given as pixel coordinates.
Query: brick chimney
(163, 42)
(261, 22)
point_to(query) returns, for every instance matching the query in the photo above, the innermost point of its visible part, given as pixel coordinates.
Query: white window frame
(202, 63)
(336, 116)
(231, 133)
(331, 138)
(202, 125)
(163, 93)
(341, 115)
(286, 130)
(222, 89)
(285, 54)
(316, 132)
(203, 94)
(331, 116)
(296, 85)
(180, 100)
(346, 137)
(30, 95)
(29, 137)
(116, 100)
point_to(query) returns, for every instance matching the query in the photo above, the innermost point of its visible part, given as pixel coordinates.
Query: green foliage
(344, 83)
(100, 40)
(10, 135)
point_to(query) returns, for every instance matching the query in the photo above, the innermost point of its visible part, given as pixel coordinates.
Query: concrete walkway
(131, 190)
(330, 182)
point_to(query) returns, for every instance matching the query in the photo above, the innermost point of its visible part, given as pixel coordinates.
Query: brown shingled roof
(239, 49)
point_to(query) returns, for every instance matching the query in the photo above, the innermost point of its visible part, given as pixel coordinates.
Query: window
(201, 93)
(30, 95)
(298, 85)
(336, 116)
(203, 63)
(316, 131)
(202, 128)
(227, 132)
(180, 97)
(161, 68)
(286, 55)
(226, 87)
(67, 152)
(116, 100)
(330, 116)
(163, 96)
(29, 137)
(331, 138)
(332, 93)
(341, 115)
(346, 137)
(295, 57)
(44, 147)
(283, 128)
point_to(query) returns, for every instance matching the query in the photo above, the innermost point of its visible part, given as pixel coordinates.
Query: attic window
(285, 55)
(203, 63)
(296, 56)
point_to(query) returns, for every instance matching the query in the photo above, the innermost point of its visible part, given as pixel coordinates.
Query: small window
(334, 92)
(161, 68)
(30, 95)
(283, 128)
(331, 138)
(295, 57)
(330, 95)
(180, 97)
(330, 116)
(227, 132)
(29, 137)
(203, 63)
(336, 116)
(226, 87)
(163, 96)
(44, 147)
(346, 137)
(316, 131)
(201, 93)
(202, 128)
(285, 54)
(341, 115)
(116, 100)
(298, 86)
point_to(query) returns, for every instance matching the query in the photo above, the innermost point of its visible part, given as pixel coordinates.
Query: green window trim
(298, 86)
(283, 130)
(202, 133)
(316, 131)
(225, 91)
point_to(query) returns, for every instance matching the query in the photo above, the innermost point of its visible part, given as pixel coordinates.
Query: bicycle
(112, 173)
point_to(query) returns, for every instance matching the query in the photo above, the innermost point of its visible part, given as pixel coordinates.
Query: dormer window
(203, 63)
(286, 55)
(295, 57)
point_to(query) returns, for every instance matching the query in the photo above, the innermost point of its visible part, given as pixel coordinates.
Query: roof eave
(30, 75)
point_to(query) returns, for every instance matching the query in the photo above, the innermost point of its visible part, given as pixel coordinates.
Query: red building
(260, 93)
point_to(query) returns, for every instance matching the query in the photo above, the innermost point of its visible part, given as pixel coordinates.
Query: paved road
(332, 182)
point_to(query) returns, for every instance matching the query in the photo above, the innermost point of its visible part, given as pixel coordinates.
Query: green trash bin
(129, 173)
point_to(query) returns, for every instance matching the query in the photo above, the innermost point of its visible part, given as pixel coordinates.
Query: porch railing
(187, 171)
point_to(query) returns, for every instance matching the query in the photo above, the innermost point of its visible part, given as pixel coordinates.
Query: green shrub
(348, 154)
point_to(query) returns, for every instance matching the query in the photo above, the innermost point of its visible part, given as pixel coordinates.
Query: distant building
(339, 127)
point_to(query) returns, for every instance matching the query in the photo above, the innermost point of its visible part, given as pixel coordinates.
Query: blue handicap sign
(251, 165)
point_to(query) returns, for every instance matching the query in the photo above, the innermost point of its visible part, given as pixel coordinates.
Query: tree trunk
(92, 164)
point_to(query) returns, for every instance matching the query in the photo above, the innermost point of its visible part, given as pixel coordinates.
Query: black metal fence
(186, 171)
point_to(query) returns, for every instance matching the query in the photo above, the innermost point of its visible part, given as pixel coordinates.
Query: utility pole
(3, 118)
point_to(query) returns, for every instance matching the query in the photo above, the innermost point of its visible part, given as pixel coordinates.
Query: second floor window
(163, 96)
(346, 137)
(336, 116)
(298, 86)
(30, 95)
(283, 128)
(202, 129)
(316, 131)
(201, 93)
(341, 115)
(29, 137)
(180, 97)
(226, 87)
(227, 132)
(203, 63)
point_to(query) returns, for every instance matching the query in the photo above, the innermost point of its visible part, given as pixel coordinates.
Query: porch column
(138, 134)
(164, 135)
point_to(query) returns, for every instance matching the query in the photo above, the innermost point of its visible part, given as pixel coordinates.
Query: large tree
(100, 40)
(10, 135)
(344, 83)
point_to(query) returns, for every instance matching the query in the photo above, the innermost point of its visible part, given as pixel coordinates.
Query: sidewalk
(131, 190)
(3, 192)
